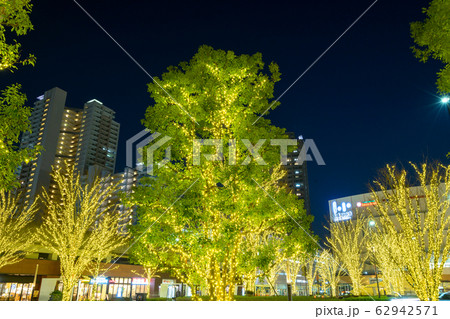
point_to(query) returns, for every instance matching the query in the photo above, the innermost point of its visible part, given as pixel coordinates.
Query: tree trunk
(67, 290)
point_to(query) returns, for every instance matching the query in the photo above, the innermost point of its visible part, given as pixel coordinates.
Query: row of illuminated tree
(405, 234)
(83, 227)
(218, 220)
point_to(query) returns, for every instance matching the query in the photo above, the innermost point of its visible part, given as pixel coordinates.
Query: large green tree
(235, 194)
(14, 19)
(14, 118)
(432, 39)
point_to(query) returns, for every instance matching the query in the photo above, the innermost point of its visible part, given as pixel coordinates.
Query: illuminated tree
(380, 255)
(432, 38)
(310, 270)
(150, 253)
(206, 209)
(292, 268)
(272, 273)
(348, 243)
(292, 257)
(96, 269)
(414, 223)
(330, 270)
(14, 18)
(14, 119)
(16, 233)
(252, 257)
(265, 255)
(81, 227)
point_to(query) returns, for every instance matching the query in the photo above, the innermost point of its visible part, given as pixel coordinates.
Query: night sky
(367, 102)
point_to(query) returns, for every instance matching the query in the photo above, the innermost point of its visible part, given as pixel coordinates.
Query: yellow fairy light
(82, 229)
(413, 226)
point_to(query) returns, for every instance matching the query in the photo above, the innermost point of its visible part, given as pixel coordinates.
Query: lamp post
(371, 225)
(445, 100)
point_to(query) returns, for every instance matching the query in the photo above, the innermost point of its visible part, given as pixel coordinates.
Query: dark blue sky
(367, 102)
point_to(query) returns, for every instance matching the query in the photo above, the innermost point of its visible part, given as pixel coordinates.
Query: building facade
(99, 135)
(46, 124)
(296, 177)
(81, 137)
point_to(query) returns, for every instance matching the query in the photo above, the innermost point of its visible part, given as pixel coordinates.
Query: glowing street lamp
(445, 100)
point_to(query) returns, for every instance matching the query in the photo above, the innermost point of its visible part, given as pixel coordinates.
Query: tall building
(82, 137)
(296, 177)
(98, 138)
(46, 123)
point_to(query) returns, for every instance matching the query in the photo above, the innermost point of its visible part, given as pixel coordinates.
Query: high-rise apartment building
(82, 137)
(98, 138)
(296, 177)
(46, 123)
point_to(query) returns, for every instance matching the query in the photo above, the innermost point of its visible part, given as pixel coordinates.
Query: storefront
(169, 288)
(16, 288)
(263, 290)
(123, 281)
(119, 288)
(15, 291)
(108, 288)
(140, 286)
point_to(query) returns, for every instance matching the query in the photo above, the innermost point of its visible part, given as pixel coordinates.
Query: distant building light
(94, 100)
(40, 97)
(300, 137)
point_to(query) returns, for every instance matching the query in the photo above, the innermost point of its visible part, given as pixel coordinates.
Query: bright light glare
(371, 223)
(445, 99)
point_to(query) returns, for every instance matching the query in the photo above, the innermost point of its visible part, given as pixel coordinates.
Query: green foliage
(14, 17)
(222, 206)
(56, 295)
(432, 39)
(14, 118)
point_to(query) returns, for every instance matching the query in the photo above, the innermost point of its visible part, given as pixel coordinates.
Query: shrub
(56, 296)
